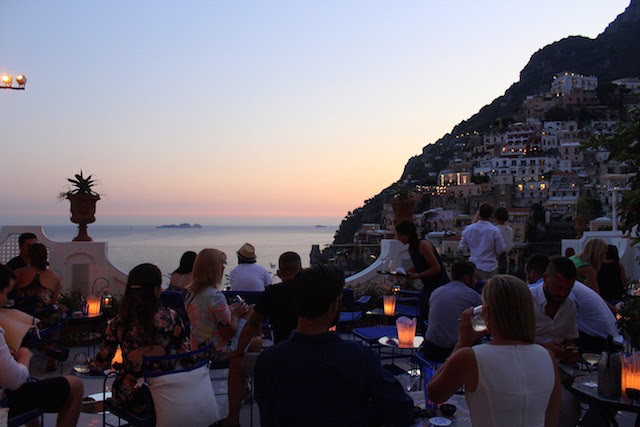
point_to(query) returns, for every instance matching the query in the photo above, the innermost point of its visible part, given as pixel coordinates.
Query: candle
(117, 358)
(406, 331)
(630, 372)
(93, 306)
(389, 302)
(106, 300)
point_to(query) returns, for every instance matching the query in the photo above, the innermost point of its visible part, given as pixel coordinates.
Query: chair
(26, 416)
(428, 369)
(201, 357)
(353, 311)
(175, 301)
(51, 335)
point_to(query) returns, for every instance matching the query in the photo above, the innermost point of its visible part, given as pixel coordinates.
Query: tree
(623, 145)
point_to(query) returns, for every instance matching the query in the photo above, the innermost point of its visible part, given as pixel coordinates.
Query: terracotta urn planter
(402, 210)
(83, 210)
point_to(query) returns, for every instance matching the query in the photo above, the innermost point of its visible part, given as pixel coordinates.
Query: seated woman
(511, 380)
(588, 262)
(181, 277)
(59, 394)
(142, 327)
(37, 288)
(211, 318)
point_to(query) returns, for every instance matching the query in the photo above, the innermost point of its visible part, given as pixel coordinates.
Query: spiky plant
(80, 185)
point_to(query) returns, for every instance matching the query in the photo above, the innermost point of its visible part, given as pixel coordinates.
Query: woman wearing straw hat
(249, 276)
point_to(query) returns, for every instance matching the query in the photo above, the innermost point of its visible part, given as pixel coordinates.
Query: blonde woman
(211, 318)
(511, 380)
(589, 261)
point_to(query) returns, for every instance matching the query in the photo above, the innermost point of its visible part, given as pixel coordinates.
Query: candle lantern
(389, 303)
(630, 372)
(93, 306)
(395, 289)
(107, 300)
(117, 358)
(406, 331)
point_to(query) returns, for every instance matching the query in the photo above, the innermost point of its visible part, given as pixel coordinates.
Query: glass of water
(477, 319)
(81, 363)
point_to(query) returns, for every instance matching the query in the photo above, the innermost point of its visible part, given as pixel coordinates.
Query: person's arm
(392, 403)
(262, 391)
(427, 252)
(463, 246)
(552, 414)
(227, 318)
(499, 242)
(108, 347)
(508, 242)
(251, 329)
(13, 373)
(590, 277)
(58, 285)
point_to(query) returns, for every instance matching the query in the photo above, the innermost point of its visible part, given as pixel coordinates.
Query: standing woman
(588, 262)
(142, 327)
(510, 381)
(427, 265)
(181, 277)
(212, 319)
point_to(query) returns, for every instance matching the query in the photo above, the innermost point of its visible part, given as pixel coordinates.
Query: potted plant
(83, 204)
(629, 321)
(402, 203)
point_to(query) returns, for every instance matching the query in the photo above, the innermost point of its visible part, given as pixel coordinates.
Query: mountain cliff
(614, 54)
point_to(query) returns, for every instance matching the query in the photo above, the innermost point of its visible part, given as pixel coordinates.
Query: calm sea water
(129, 246)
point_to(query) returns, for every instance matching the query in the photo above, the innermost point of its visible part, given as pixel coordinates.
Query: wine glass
(410, 379)
(592, 359)
(81, 363)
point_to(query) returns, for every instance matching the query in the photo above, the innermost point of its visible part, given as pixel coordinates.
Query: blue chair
(38, 337)
(26, 416)
(197, 358)
(175, 301)
(352, 311)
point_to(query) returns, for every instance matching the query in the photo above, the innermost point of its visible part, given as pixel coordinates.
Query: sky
(249, 112)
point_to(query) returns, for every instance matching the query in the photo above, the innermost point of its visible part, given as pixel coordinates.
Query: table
(91, 324)
(461, 418)
(600, 407)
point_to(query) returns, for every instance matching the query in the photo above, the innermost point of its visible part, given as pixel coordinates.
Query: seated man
(595, 320)
(248, 276)
(534, 269)
(446, 304)
(315, 377)
(276, 303)
(59, 394)
(25, 240)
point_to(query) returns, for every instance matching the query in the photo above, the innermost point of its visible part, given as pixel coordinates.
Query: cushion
(184, 398)
(16, 324)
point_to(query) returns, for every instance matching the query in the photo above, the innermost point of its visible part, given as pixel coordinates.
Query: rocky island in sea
(183, 225)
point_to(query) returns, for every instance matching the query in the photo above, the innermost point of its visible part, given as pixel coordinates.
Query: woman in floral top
(211, 318)
(142, 327)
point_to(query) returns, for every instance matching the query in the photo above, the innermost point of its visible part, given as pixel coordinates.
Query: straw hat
(247, 253)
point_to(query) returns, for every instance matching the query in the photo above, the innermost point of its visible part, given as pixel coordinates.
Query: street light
(7, 81)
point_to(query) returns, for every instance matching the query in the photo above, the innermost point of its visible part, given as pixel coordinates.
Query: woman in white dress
(509, 381)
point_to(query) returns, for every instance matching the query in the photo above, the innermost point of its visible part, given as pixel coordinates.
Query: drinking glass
(477, 319)
(410, 379)
(592, 359)
(81, 363)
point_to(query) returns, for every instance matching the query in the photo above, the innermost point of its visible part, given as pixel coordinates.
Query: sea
(129, 246)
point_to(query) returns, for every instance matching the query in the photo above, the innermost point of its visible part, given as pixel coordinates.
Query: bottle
(609, 371)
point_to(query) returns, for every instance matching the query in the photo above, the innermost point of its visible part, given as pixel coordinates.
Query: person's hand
(466, 334)
(555, 348)
(238, 309)
(23, 355)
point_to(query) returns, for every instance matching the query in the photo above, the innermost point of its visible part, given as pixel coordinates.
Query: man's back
(594, 317)
(249, 278)
(277, 303)
(446, 304)
(323, 380)
(485, 242)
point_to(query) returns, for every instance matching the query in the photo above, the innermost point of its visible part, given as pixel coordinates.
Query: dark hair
(289, 263)
(537, 263)
(408, 228)
(139, 303)
(501, 214)
(485, 210)
(6, 276)
(461, 269)
(38, 256)
(242, 260)
(315, 288)
(612, 253)
(562, 265)
(24, 237)
(186, 263)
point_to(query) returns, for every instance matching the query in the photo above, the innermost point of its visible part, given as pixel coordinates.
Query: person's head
(594, 253)
(289, 264)
(246, 254)
(501, 215)
(465, 272)
(558, 279)
(186, 263)
(38, 256)
(507, 305)
(25, 240)
(535, 267)
(612, 253)
(7, 278)
(318, 291)
(406, 232)
(208, 270)
(140, 300)
(485, 210)
(569, 252)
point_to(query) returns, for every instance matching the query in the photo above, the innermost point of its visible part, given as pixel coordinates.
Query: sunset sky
(249, 112)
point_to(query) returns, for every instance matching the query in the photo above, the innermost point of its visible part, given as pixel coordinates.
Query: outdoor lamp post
(7, 81)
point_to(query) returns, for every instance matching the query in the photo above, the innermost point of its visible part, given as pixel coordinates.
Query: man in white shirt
(249, 276)
(484, 241)
(556, 325)
(534, 269)
(595, 320)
